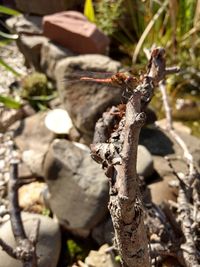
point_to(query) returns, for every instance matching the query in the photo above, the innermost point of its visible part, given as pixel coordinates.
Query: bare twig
(25, 250)
(15, 213)
(11, 252)
(189, 250)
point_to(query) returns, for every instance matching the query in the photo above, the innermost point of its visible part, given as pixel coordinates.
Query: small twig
(166, 105)
(189, 250)
(187, 155)
(15, 213)
(25, 250)
(11, 252)
(177, 175)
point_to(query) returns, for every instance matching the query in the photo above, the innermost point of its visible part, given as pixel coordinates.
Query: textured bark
(126, 207)
(118, 156)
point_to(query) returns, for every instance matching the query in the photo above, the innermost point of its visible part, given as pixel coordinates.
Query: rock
(162, 191)
(144, 162)
(50, 55)
(31, 197)
(160, 143)
(24, 171)
(151, 116)
(33, 140)
(41, 7)
(77, 185)
(9, 116)
(186, 109)
(49, 241)
(193, 144)
(72, 30)
(30, 47)
(156, 141)
(101, 258)
(25, 24)
(104, 232)
(86, 101)
(30, 39)
(58, 121)
(178, 126)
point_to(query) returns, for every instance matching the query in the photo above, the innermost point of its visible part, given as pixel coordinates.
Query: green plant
(89, 10)
(37, 90)
(9, 102)
(35, 84)
(108, 14)
(74, 251)
(5, 37)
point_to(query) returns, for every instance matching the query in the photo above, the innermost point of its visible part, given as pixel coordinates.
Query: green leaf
(9, 36)
(73, 248)
(9, 68)
(44, 98)
(9, 102)
(89, 10)
(8, 11)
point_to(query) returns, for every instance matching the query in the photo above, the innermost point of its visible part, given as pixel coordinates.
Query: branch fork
(118, 155)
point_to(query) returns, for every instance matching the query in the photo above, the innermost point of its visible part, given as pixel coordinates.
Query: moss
(35, 84)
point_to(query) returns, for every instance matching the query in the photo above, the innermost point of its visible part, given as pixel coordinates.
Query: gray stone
(42, 7)
(104, 232)
(86, 101)
(160, 143)
(160, 189)
(50, 55)
(156, 141)
(25, 24)
(144, 162)
(77, 185)
(24, 171)
(101, 258)
(30, 47)
(49, 241)
(30, 39)
(33, 140)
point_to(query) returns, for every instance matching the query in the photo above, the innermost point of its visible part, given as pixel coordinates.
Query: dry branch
(25, 250)
(188, 192)
(118, 156)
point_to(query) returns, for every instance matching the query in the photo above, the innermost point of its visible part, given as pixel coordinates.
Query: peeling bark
(118, 156)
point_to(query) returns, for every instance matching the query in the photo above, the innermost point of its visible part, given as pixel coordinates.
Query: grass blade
(9, 102)
(9, 11)
(147, 30)
(89, 10)
(8, 36)
(9, 68)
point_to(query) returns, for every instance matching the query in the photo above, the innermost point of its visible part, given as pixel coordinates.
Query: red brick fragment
(72, 30)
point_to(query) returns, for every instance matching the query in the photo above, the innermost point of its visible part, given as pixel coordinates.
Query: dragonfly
(121, 79)
(124, 80)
